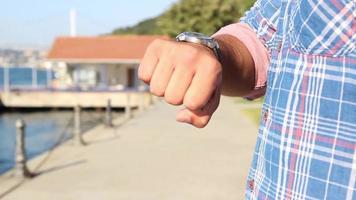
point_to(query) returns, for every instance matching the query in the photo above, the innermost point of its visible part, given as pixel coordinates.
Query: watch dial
(198, 35)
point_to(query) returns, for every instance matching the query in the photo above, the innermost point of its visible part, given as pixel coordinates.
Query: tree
(146, 27)
(205, 16)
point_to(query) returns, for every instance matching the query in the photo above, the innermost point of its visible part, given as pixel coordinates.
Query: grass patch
(252, 109)
(244, 101)
(253, 113)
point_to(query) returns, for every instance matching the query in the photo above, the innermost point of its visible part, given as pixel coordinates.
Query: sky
(36, 23)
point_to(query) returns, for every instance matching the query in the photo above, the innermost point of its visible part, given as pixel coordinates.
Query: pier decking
(69, 99)
(151, 157)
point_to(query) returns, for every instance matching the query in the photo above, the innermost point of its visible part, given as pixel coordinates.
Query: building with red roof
(107, 62)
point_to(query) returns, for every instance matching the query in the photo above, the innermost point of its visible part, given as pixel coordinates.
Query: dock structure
(68, 99)
(85, 71)
(149, 157)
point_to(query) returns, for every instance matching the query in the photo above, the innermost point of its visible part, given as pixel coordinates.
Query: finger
(149, 63)
(161, 77)
(178, 85)
(204, 83)
(200, 118)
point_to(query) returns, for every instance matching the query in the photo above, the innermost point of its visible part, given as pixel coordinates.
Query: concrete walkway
(151, 157)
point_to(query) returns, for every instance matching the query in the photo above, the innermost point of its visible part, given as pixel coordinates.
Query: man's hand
(184, 74)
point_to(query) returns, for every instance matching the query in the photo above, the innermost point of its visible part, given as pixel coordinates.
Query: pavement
(150, 157)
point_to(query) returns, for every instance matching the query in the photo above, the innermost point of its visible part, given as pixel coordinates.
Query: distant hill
(205, 16)
(146, 27)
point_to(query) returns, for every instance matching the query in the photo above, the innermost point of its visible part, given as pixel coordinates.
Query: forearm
(238, 66)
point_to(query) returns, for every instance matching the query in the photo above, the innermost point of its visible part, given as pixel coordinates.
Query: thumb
(201, 117)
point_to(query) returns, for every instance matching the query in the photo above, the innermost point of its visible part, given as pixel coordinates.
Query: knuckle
(154, 44)
(191, 104)
(171, 52)
(173, 99)
(190, 54)
(213, 66)
(187, 69)
(156, 90)
(203, 122)
(142, 75)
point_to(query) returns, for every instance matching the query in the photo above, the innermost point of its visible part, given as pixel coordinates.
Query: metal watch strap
(217, 53)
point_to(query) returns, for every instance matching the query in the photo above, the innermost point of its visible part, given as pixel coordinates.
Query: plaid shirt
(307, 136)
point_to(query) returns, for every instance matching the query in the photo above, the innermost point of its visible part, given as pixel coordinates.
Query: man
(307, 136)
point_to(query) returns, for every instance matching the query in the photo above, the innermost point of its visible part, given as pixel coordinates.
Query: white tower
(73, 22)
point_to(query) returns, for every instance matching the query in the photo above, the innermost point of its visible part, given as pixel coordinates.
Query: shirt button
(251, 184)
(279, 46)
(265, 115)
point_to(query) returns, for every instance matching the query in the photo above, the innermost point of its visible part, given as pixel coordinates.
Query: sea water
(44, 128)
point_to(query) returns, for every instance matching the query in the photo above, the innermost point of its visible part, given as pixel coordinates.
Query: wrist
(230, 52)
(237, 65)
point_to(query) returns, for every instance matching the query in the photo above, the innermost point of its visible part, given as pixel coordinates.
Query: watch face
(197, 35)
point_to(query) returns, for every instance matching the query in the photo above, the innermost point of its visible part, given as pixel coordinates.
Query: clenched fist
(184, 74)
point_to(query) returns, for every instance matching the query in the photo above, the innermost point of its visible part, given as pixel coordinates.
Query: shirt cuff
(258, 51)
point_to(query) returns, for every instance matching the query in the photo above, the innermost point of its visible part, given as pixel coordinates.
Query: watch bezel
(198, 38)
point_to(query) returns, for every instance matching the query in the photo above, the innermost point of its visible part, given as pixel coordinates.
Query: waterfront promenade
(150, 157)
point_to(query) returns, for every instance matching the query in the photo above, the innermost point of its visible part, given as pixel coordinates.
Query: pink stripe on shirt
(258, 51)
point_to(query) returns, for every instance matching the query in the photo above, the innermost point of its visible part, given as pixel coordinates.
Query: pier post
(142, 99)
(128, 113)
(109, 114)
(21, 169)
(78, 140)
(141, 107)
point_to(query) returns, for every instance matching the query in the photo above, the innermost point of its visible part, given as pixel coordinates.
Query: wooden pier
(149, 157)
(69, 99)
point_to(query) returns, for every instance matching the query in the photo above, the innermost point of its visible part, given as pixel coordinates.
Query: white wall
(114, 75)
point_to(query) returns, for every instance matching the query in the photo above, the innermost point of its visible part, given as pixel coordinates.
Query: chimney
(73, 22)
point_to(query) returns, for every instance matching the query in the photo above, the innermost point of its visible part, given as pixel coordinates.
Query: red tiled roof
(104, 48)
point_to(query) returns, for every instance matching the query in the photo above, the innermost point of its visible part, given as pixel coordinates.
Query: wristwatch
(199, 38)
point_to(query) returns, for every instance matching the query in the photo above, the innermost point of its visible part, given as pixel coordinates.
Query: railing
(24, 77)
(34, 79)
(21, 169)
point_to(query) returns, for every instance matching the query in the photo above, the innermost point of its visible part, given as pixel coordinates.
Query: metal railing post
(78, 140)
(6, 78)
(128, 106)
(34, 77)
(109, 114)
(21, 168)
(48, 77)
